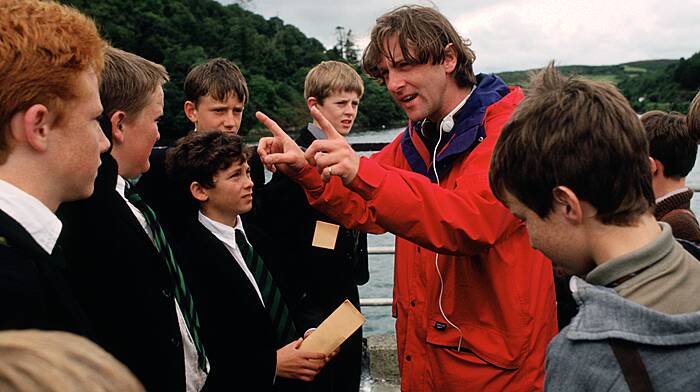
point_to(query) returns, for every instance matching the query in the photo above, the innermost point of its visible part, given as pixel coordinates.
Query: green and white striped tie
(272, 297)
(182, 294)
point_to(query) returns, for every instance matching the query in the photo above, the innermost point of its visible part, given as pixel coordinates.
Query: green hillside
(273, 56)
(652, 84)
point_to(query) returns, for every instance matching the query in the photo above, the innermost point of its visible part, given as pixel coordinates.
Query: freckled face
(78, 140)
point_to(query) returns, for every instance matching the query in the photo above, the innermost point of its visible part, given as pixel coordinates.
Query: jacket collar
(467, 133)
(604, 314)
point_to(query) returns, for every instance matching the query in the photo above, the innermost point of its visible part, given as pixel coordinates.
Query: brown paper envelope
(325, 235)
(334, 330)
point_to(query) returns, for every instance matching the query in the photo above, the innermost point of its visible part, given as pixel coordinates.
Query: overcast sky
(522, 34)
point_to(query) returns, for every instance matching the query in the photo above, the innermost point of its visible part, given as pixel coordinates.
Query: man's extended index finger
(270, 124)
(326, 125)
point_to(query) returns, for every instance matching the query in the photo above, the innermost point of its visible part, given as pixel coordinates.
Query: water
(381, 267)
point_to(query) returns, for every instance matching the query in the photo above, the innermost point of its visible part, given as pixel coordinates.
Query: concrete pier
(380, 371)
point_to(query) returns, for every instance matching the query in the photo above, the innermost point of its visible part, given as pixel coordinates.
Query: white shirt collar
(316, 131)
(121, 186)
(669, 194)
(220, 229)
(39, 221)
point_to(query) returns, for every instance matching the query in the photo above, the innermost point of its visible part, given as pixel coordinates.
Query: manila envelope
(334, 330)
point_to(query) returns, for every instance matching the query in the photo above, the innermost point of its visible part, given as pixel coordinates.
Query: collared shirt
(669, 194)
(316, 131)
(39, 221)
(194, 376)
(227, 235)
(660, 275)
(121, 190)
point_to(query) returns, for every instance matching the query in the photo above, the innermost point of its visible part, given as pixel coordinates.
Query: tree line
(273, 56)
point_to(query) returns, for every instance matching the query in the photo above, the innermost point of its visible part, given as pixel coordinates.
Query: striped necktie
(182, 294)
(272, 298)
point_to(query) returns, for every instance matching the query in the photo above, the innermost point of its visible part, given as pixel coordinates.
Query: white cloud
(520, 34)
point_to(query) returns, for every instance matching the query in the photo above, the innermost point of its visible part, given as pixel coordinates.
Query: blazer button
(175, 341)
(166, 294)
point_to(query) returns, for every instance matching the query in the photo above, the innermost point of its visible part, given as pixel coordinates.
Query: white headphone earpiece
(448, 122)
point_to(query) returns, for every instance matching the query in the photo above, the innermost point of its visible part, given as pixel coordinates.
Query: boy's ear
(190, 111)
(199, 192)
(116, 119)
(657, 168)
(33, 126)
(311, 102)
(566, 203)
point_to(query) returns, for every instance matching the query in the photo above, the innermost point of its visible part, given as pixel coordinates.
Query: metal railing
(378, 250)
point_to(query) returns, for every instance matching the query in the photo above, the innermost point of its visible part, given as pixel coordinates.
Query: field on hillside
(653, 84)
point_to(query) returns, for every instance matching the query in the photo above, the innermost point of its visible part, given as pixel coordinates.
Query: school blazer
(33, 290)
(123, 284)
(235, 328)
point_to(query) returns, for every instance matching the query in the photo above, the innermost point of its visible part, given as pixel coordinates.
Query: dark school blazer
(123, 284)
(33, 289)
(235, 328)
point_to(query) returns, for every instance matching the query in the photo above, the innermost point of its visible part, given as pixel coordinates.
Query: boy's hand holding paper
(334, 330)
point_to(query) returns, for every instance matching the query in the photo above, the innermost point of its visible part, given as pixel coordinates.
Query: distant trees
(346, 47)
(670, 89)
(653, 84)
(687, 73)
(273, 56)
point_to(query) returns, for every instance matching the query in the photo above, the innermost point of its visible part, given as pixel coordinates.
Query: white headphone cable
(437, 268)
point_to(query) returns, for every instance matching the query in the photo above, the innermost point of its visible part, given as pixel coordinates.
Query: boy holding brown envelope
(243, 304)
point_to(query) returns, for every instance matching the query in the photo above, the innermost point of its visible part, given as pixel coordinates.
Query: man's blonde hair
(331, 77)
(53, 361)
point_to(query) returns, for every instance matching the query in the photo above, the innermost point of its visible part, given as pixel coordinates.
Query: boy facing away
(572, 163)
(247, 325)
(672, 151)
(333, 275)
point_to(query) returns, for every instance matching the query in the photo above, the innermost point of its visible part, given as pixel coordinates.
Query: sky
(512, 35)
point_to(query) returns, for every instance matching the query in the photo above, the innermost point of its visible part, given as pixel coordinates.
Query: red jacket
(497, 290)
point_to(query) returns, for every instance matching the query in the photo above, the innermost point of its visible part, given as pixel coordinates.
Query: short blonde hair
(128, 81)
(331, 77)
(44, 46)
(53, 361)
(694, 118)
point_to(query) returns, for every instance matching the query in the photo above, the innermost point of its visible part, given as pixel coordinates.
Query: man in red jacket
(474, 303)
